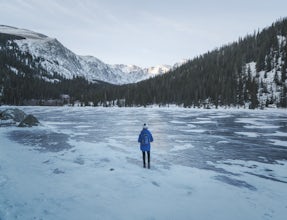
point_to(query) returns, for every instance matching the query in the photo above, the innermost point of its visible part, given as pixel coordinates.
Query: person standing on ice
(144, 139)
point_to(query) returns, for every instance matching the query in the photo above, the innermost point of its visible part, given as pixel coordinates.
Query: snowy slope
(269, 91)
(21, 32)
(56, 58)
(159, 69)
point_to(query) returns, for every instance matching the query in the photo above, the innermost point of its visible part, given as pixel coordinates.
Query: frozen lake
(85, 163)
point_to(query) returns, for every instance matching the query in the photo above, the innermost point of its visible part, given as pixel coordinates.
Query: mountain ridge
(249, 73)
(54, 57)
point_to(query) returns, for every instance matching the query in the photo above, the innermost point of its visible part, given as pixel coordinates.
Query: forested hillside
(248, 73)
(22, 79)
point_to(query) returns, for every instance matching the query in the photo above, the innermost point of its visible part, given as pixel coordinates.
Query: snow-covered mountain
(56, 58)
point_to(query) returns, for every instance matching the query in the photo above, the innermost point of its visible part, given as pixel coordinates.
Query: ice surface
(256, 123)
(278, 134)
(85, 163)
(279, 143)
(182, 147)
(248, 134)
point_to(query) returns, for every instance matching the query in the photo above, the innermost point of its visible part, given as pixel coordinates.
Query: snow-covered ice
(85, 163)
(248, 134)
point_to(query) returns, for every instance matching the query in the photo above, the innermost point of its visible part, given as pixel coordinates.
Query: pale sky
(142, 32)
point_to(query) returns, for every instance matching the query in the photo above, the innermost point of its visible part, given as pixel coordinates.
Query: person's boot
(143, 165)
(148, 165)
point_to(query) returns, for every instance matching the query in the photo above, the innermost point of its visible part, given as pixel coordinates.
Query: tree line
(221, 77)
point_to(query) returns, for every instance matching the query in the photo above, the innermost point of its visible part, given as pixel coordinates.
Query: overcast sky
(142, 32)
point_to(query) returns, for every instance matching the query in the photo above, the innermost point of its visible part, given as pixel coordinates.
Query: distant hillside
(35, 66)
(250, 72)
(53, 57)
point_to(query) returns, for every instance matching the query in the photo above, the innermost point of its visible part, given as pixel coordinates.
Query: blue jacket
(145, 138)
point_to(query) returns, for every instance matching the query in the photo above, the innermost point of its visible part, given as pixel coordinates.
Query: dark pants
(148, 159)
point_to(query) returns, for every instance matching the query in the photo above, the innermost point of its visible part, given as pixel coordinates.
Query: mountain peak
(55, 58)
(21, 32)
